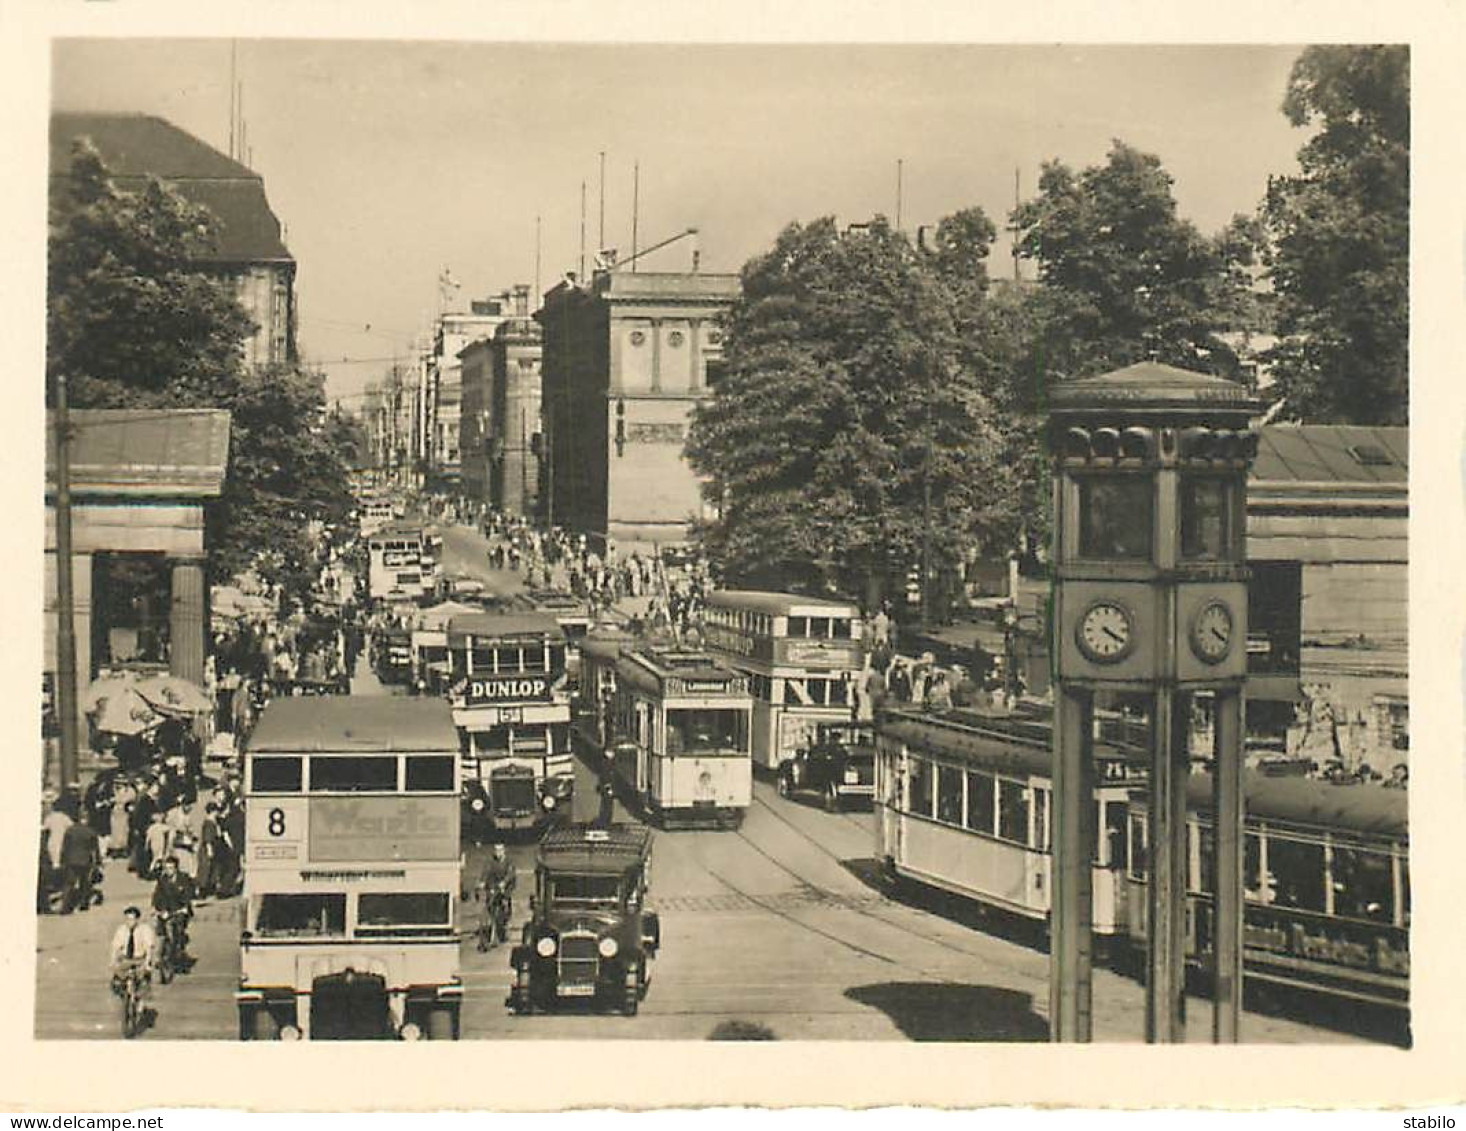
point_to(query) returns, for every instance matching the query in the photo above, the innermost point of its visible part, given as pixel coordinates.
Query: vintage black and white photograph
(716, 542)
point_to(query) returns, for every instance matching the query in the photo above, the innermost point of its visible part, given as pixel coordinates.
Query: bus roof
(780, 604)
(505, 624)
(348, 723)
(645, 664)
(1311, 802)
(581, 849)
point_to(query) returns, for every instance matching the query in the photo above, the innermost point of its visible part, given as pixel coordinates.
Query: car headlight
(290, 1033)
(477, 804)
(545, 948)
(410, 1032)
(608, 947)
(548, 801)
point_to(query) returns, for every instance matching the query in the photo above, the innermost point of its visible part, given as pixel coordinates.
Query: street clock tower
(1150, 597)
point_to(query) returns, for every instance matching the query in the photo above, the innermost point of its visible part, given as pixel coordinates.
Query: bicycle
(128, 983)
(493, 927)
(171, 925)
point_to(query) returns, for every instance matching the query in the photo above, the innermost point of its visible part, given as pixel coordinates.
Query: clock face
(1211, 632)
(1105, 632)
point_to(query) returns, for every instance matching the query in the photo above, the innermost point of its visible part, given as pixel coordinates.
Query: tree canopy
(845, 398)
(134, 321)
(1340, 239)
(1123, 278)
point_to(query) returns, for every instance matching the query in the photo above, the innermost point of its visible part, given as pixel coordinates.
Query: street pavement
(780, 927)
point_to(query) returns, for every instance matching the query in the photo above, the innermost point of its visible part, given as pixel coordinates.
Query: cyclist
(497, 884)
(134, 947)
(173, 900)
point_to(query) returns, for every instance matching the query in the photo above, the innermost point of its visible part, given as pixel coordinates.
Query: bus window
(433, 772)
(401, 909)
(920, 787)
(1363, 888)
(1297, 873)
(705, 731)
(275, 775)
(354, 775)
(949, 795)
(840, 628)
(291, 916)
(495, 740)
(798, 626)
(1012, 811)
(980, 791)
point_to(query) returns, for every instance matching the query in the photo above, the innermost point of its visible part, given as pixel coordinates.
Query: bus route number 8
(276, 826)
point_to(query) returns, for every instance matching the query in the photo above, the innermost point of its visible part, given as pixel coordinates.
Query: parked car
(838, 766)
(589, 936)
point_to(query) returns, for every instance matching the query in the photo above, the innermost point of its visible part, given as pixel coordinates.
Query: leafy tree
(1123, 277)
(844, 404)
(134, 322)
(1340, 239)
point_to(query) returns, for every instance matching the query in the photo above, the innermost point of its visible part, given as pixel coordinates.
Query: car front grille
(580, 962)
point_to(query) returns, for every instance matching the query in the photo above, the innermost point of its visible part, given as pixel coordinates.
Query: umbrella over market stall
(115, 706)
(174, 695)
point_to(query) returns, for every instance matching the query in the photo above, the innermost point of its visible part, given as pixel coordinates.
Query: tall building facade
(501, 412)
(444, 410)
(250, 250)
(627, 357)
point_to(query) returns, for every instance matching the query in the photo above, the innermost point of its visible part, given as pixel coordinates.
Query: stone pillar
(186, 620)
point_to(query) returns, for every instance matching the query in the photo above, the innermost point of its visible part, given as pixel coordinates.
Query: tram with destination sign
(352, 871)
(512, 704)
(802, 656)
(679, 725)
(400, 562)
(1326, 884)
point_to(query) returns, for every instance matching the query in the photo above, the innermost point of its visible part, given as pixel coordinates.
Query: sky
(389, 162)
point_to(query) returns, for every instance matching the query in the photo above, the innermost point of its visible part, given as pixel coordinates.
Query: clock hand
(1113, 635)
(1221, 637)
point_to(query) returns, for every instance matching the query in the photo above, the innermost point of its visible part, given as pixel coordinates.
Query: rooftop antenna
(899, 164)
(601, 231)
(233, 85)
(537, 259)
(581, 274)
(635, 208)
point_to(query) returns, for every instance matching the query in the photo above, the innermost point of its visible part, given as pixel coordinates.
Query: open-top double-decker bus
(680, 733)
(352, 871)
(511, 702)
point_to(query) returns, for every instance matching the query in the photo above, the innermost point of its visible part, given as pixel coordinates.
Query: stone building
(626, 359)
(501, 413)
(250, 249)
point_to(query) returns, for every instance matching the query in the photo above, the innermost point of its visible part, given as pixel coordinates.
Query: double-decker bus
(352, 871)
(400, 564)
(511, 702)
(1326, 884)
(802, 657)
(963, 803)
(679, 736)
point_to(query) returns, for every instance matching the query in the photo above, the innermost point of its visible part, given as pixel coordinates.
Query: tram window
(840, 628)
(354, 775)
(1363, 888)
(275, 775)
(980, 790)
(705, 730)
(1297, 873)
(949, 795)
(1012, 811)
(292, 916)
(432, 772)
(920, 787)
(1115, 517)
(402, 909)
(1252, 869)
(1204, 514)
(798, 626)
(1137, 861)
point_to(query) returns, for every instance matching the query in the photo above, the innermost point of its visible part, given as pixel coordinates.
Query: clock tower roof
(1149, 387)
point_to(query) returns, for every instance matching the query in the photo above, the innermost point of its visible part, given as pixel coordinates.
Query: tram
(676, 734)
(963, 804)
(1326, 885)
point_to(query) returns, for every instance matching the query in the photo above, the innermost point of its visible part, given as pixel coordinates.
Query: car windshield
(580, 890)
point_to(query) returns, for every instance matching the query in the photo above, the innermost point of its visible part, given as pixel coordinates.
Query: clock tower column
(1150, 605)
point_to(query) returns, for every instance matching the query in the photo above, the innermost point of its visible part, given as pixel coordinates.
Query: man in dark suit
(81, 856)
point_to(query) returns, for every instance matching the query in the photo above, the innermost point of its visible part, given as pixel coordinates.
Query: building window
(1205, 513)
(1115, 518)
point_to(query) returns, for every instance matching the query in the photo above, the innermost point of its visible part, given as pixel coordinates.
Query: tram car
(678, 740)
(963, 804)
(1326, 885)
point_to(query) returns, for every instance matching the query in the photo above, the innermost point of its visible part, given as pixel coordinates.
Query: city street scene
(726, 543)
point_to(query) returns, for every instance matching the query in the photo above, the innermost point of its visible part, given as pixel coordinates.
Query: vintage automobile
(589, 936)
(838, 766)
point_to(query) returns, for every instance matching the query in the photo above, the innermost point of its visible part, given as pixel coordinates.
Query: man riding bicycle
(173, 904)
(134, 948)
(497, 887)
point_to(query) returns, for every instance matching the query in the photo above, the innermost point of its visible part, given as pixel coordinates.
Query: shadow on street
(948, 1011)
